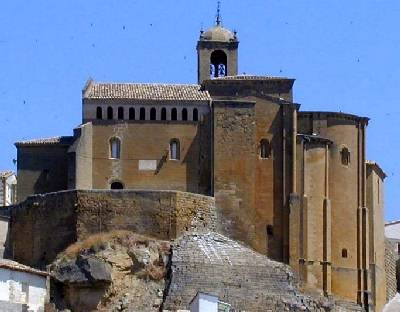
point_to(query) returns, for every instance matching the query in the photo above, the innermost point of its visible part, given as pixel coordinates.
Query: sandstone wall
(234, 168)
(149, 141)
(44, 225)
(265, 184)
(375, 204)
(346, 191)
(80, 174)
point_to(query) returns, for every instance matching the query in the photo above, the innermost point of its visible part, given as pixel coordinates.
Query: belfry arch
(218, 64)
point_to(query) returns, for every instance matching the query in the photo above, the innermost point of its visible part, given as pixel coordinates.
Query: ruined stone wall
(390, 270)
(43, 226)
(40, 227)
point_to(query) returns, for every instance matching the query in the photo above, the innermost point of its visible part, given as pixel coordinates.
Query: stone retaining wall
(44, 225)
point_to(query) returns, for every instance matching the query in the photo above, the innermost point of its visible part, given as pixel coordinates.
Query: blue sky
(344, 55)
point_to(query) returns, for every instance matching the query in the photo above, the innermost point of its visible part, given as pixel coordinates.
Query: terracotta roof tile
(142, 91)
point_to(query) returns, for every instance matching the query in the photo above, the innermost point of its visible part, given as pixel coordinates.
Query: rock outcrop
(119, 271)
(123, 271)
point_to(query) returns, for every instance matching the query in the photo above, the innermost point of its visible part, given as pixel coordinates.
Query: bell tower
(217, 51)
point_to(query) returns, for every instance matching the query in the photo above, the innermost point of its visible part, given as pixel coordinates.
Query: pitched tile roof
(15, 266)
(46, 141)
(145, 91)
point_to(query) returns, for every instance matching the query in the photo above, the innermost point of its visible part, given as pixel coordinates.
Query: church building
(294, 185)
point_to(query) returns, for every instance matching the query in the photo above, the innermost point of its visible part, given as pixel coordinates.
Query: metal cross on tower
(219, 20)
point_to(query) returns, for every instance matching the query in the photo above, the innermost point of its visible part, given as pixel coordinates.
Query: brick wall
(44, 225)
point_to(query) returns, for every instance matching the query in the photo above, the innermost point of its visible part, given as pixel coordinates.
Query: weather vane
(219, 13)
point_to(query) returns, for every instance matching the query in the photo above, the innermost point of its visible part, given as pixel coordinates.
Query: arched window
(132, 113)
(195, 114)
(163, 113)
(174, 114)
(219, 64)
(174, 149)
(345, 156)
(344, 253)
(153, 114)
(115, 148)
(110, 113)
(120, 113)
(265, 149)
(142, 113)
(184, 114)
(117, 186)
(99, 113)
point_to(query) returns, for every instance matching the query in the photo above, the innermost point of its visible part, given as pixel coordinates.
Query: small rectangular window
(115, 148)
(265, 149)
(345, 155)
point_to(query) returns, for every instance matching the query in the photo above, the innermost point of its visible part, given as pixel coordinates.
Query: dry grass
(100, 241)
(153, 272)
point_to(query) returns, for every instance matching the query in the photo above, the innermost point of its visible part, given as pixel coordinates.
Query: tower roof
(218, 33)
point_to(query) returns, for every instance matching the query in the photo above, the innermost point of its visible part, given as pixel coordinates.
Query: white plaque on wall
(147, 165)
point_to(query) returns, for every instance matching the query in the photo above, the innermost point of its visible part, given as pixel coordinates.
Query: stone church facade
(291, 184)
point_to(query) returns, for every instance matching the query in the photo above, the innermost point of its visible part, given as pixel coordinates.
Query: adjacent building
(392, 233)
(21, 287)
(292, 184)
(8, 188)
